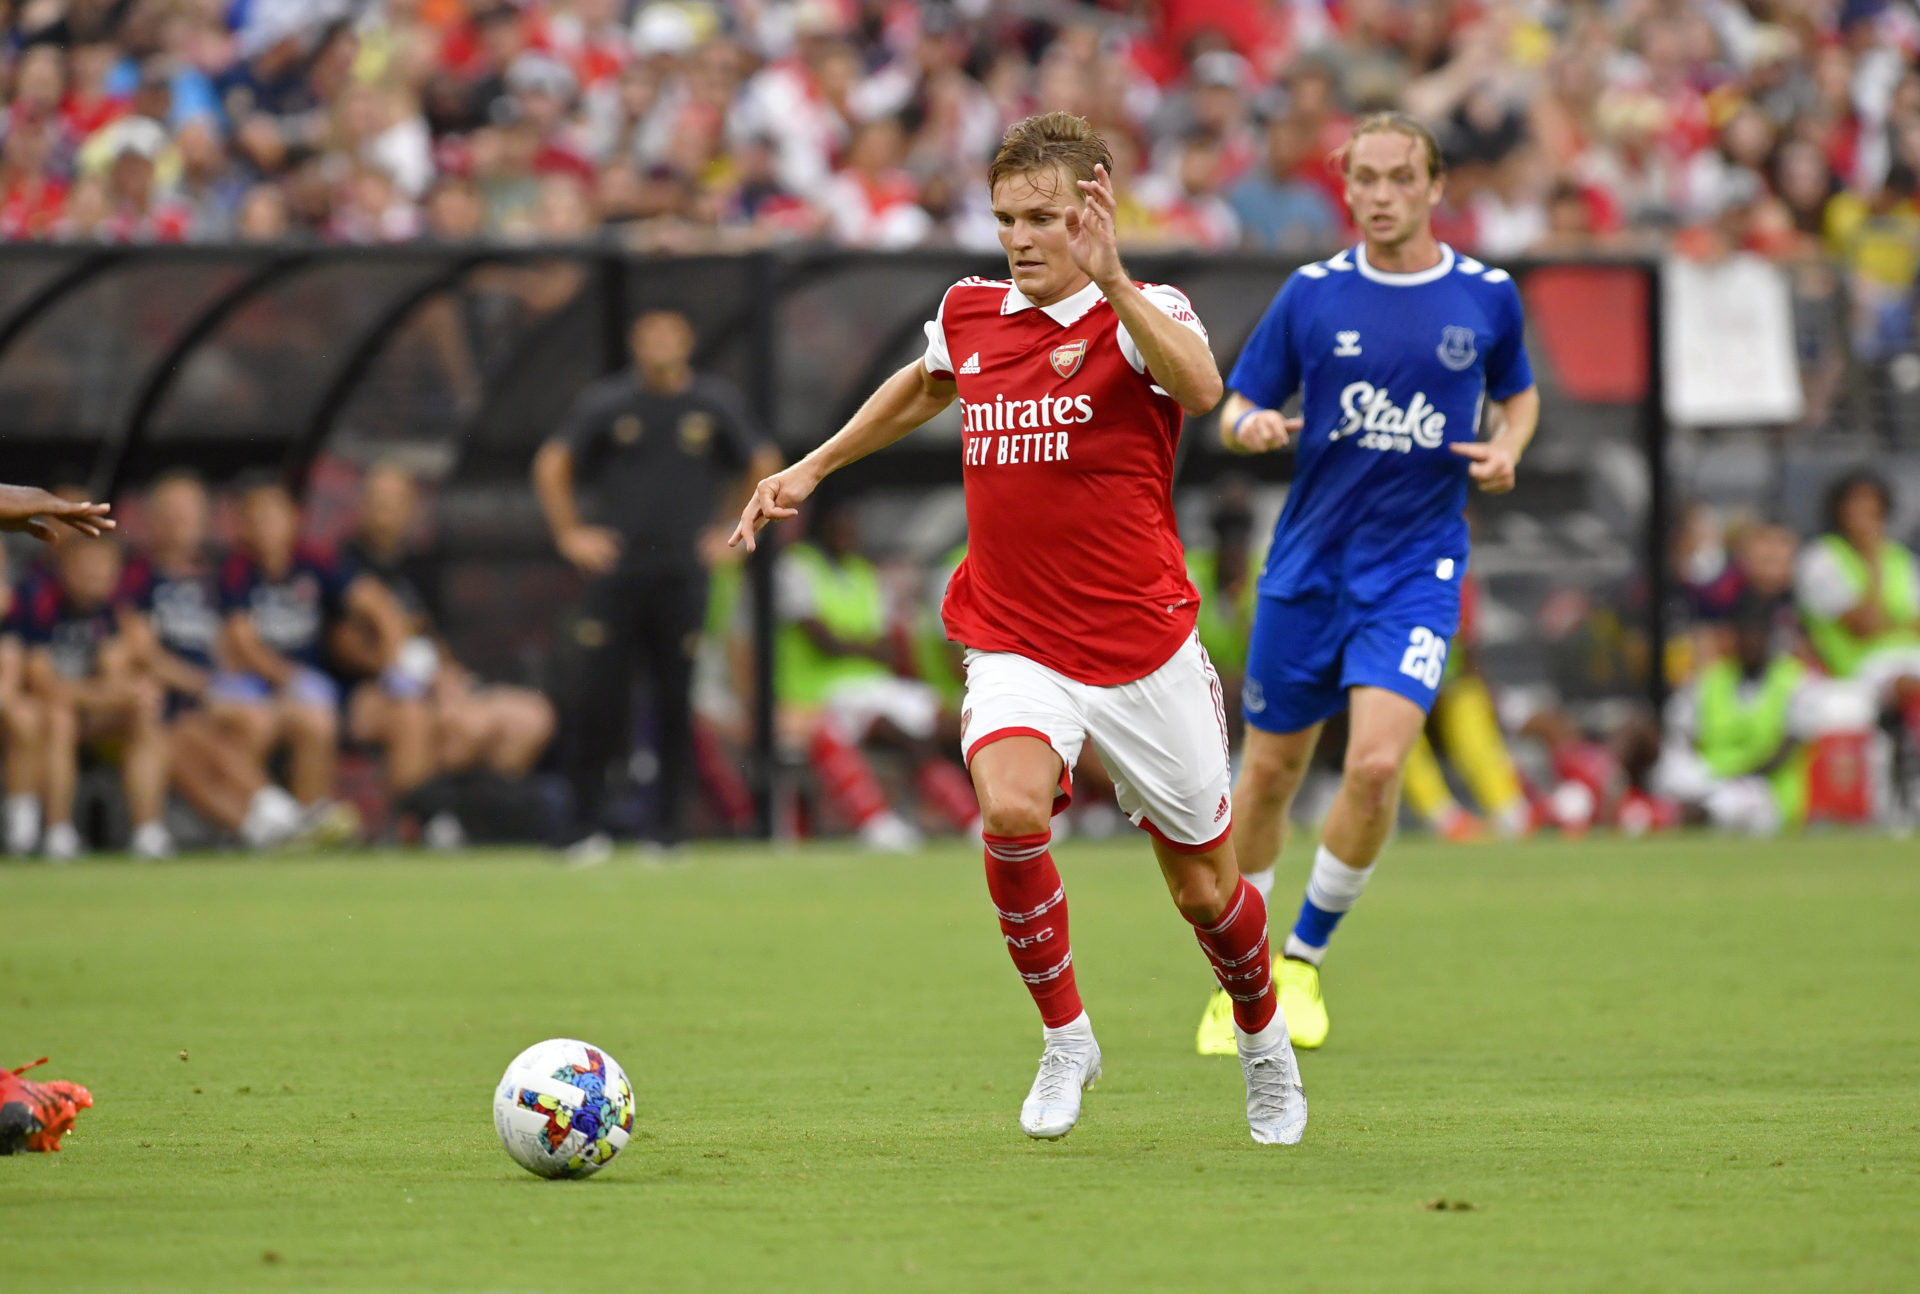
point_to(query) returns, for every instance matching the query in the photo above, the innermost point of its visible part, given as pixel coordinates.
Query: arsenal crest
(1066, 359)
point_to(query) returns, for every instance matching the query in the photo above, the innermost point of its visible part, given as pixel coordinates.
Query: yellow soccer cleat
(1216, 1036)
(1301, 1003)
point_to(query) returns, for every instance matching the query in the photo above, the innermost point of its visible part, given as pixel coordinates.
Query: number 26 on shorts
(1425, 658)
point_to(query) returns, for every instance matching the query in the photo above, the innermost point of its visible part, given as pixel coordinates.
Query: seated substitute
(278, 597)
(502, 728)
(1737, 755)
(87, 685)
(1859, 593)
(20, 719)
(835, 680)
(173, 622)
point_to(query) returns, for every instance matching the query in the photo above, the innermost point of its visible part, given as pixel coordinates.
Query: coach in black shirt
(634, 486)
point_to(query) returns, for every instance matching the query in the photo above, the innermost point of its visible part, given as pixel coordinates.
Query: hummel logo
(1346, 343)
(973, 363)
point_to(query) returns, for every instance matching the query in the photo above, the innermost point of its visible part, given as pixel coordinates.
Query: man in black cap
(667, 452)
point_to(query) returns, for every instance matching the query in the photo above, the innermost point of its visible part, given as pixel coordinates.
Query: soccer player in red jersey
(1073, 602)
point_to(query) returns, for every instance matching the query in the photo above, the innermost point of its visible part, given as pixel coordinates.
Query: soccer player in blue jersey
(1397, 347)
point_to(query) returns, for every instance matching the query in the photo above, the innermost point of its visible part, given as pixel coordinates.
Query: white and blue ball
(564, 1108)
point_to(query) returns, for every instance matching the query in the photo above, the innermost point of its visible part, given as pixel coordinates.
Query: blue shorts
(307, 686)
(1306, 653)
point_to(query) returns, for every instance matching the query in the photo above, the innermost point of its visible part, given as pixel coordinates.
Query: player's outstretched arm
(1246, 428)
(903, 402)
(1176, 356)
(29, 508)
(1496, 461)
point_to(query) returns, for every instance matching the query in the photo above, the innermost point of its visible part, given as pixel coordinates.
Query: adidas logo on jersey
(972, 365)
(1370, 409)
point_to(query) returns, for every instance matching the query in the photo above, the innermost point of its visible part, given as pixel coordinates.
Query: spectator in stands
(1279, 209)
(874, 203)
(1186, 205)
(279, 597)
(838, 685)
(493, 726)
(136, 208)
(85, 679)
(634, 484)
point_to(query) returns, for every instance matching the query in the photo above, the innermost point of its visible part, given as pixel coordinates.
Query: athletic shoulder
(1487, 282)
(1479, 272)
(975, 295)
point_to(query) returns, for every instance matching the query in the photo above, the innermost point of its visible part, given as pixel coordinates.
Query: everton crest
(1456, 347)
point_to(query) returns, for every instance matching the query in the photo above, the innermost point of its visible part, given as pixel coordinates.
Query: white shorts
(1164, 737)
(908, 704)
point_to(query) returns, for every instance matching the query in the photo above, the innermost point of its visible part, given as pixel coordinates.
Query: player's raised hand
(1263, 430)
(776, 498)
(36, 511)
(1092, 239)
(1493, 466)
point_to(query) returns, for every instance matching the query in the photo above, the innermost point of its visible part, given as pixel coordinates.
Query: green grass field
(1668, 1065)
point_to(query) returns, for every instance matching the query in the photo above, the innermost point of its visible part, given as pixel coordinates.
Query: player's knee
(146, 703)
(1271, 774)
(312, 723)
(1373, 775)
(1014, 810)
(1198, 895)
(25, 721)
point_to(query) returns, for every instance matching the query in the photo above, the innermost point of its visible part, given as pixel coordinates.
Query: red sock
(722, 781)
(846, 779)
(1237, 947)
(946, 787)
(1026, 892)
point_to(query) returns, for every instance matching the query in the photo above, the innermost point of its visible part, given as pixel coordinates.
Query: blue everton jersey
(1392, 369)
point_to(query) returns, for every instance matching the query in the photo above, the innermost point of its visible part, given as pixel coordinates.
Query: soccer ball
(564, 1108)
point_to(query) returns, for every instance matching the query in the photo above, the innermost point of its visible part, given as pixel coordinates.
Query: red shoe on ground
(34, 1116)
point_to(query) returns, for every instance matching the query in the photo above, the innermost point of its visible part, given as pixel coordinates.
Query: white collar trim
(1415, 279)
(1064, 312)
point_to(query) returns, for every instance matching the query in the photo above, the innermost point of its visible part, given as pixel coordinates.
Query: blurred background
(316, 238)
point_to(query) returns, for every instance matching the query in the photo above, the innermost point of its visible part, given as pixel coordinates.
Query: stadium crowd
(1781, 125)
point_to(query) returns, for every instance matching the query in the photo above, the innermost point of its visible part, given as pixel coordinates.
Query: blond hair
(1040, 143)
(1393, 123)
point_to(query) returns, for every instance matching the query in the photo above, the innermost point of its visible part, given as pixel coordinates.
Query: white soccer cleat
(889, 833)
(152, 842)
(1068, 1067)
(62, 843)
(589, 851)
(1276, 1101)
(23, 823)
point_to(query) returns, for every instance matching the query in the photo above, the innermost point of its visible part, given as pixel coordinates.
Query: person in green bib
(1736, 757)
(1859, 593)
(837, 686)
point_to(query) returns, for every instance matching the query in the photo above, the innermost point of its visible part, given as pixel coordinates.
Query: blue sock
(1314, 926)
(1332, 888)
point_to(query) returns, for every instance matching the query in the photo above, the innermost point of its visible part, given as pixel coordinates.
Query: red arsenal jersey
(1073, 559)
